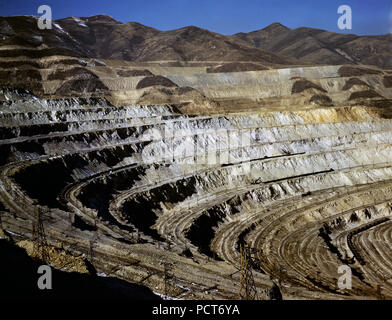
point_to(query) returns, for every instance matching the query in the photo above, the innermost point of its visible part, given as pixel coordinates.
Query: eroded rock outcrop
(134, 186)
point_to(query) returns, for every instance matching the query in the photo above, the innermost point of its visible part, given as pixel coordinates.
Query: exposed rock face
(303, 84)
(152, 81)
(63, 62)
(78, 86)
(350, 71)
(290, 87)
(310, 189)
(134, 73)
(137, 164)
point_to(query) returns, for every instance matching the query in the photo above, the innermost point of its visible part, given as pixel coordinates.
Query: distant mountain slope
(103, 37)
(320, 46)
(20, 36)
(109, 39)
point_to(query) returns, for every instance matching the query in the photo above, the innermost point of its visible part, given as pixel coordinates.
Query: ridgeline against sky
(226, 17)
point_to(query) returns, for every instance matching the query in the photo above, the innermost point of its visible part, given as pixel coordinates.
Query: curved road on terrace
(316, 196)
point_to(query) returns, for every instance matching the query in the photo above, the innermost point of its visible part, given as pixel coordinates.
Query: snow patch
(344, 54)
(79, 22)
(39, 38)
(13, 233)
(84, 62)
(58, 27)
(102, 274)
(30, 15)
(165, 297)
(65, 32)
(99, 61)
(182, 287)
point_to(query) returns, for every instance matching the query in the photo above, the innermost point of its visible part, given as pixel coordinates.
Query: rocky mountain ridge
(103, 37)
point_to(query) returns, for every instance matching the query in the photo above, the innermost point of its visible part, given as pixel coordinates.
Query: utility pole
(70, 216)
(2, 233)
(379, 293)
(91, 248)
(167, 268)
(247, 289)
(40, 248)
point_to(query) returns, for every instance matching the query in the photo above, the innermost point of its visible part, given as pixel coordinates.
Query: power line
(247, 289)
(91, 247)
(40, 248)
(167, 268)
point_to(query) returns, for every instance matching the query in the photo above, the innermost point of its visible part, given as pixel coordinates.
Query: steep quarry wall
(276, 87)
(193, 89)
(135, 187)
(253, 77)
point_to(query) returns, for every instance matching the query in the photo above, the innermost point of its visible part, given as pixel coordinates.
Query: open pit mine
(192, 177)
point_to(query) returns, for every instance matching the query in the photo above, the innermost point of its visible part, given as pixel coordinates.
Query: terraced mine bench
(119, 188)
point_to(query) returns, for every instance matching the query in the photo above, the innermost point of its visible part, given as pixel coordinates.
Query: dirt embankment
(236, 67)
(155, 81)
(354, 71)
(303, 84)
(352, 82)
(134, 73)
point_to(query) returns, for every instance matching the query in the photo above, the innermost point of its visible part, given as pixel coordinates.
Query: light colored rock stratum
(192, 144)
(136, 187)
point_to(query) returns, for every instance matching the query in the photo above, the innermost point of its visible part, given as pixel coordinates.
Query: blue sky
(223, 16)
